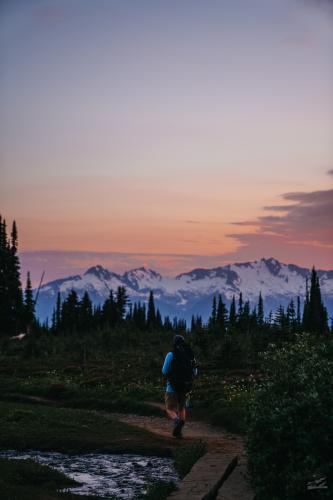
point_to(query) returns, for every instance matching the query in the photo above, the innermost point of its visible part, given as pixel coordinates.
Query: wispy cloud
(300, 228)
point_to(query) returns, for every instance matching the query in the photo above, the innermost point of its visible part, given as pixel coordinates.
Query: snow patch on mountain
(192, 292)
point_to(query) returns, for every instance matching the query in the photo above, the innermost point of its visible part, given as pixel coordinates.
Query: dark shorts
(175, 401)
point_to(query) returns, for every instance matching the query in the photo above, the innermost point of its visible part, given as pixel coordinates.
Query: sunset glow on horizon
(167, 134)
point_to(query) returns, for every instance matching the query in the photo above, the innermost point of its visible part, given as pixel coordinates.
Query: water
(106, 475)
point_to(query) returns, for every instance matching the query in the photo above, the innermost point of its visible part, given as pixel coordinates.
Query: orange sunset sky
(167, 134)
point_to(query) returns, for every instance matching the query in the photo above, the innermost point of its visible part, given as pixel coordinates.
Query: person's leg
(171, 407)
(181, 406)
(181, 414)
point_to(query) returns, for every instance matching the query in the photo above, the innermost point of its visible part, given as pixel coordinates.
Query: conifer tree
(240, 304)
(121, 303)
(29, 305)
(58, 312)
(11, 297)
(280, 318)
(291, 317)
(158, 321)
(298, 313)
(246, 318)
(109, 312)
(221, 315)
(85, 314)
(306, 310)
(260, 311)
(167, 325)
(151, 314)
(315, 319)
(4, 303)
(232, 313)
(214, 311)
(70, 313)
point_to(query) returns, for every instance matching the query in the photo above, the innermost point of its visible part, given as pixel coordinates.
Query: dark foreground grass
(158, 490)
(28, 480)
(186, 456)
(24, 426)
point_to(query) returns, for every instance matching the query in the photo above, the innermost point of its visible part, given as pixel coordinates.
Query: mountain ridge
(192, 292)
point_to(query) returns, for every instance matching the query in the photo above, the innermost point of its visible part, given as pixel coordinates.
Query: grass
(24, 426)
(158, 490)
(186, 456)
(96, 388)
(28, 480)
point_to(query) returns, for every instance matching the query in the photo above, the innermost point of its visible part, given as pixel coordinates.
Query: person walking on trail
(179, 370)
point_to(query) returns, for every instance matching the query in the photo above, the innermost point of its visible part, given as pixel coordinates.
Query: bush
(230, 415)
(290, 423)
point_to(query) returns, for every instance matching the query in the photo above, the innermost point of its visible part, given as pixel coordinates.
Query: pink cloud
(302, 230)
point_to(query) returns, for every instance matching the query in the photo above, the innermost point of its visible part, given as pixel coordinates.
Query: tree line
(17, 311)
(291, 319)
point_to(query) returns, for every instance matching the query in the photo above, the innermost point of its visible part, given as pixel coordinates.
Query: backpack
(180, 373)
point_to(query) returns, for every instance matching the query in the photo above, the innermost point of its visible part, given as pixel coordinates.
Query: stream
(103, 474)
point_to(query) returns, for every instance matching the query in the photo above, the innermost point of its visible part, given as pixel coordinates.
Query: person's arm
(166, 366)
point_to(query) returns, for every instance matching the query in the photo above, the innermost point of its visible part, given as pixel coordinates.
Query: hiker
(178, 369)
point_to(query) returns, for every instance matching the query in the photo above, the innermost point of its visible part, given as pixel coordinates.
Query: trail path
(217, 439)
(220, 473)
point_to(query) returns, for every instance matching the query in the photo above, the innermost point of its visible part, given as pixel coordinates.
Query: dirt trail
(217, 439)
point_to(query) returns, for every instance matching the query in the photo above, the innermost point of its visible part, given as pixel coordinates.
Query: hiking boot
(181, 425)
(177, 427)
(177, 430)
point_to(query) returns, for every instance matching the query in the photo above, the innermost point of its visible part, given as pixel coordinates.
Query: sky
(170, 134)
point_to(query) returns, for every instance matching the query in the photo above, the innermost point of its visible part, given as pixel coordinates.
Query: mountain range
(192, 292)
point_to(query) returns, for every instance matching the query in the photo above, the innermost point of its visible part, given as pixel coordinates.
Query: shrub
(230, 415)
(290, 422)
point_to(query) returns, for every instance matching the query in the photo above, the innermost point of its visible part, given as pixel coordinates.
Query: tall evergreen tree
(70, 313)
(298, 314)
(245, 324)
(306, 310)
(214, 311)
(158, 321)
(29, 305)
(232, 313)
(260, 314)
(280, 318)
(167, 325)
(109, 312)
(221, 315)
(315, 320)
(121, 303)
(85, 314)
(151, 314)
(291, 317)
(240, 305)
(11, 297)
(58, 312)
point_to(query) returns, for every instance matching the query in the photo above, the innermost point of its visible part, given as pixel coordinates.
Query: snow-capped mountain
(192, 292)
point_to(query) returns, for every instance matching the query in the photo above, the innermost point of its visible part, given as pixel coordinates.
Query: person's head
(178, 340)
